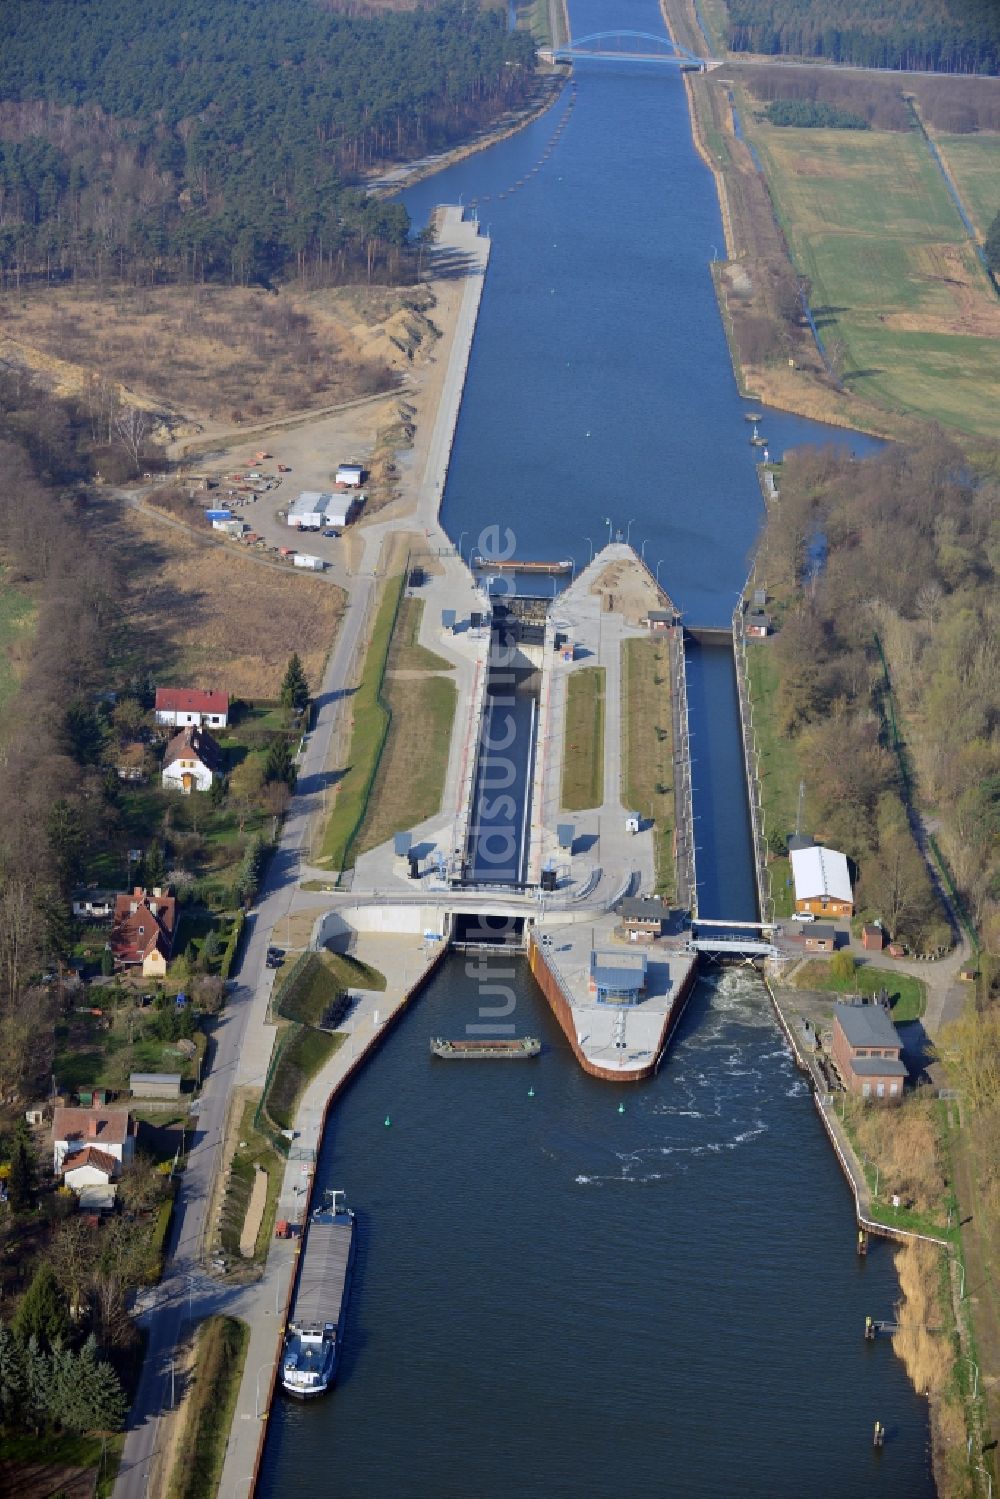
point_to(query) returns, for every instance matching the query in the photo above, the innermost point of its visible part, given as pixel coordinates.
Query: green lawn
(974, 163)
(51, 1451)
(368, 734)
(409, 783)
(648, 747)
(583, 759)
(89, 1056)
(254, 1149)
(17, 618)
(316, 979)
(405, 652)
(779, 769)
(894, 279)
(907, 995)
(301, 1058)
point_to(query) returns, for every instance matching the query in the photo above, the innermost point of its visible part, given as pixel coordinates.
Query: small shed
(873, 936)
(820, 938)
(633, 822)
(155, 1084)
(758, 625)
(659, 619)
(351, 474)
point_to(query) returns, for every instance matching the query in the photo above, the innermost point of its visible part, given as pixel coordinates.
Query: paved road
(185, 1292)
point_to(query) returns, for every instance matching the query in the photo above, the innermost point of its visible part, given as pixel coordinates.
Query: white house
(822, 881)
(93, 905)
(181, 707)
(107, 1133)
(91, 1174)
(191, 762)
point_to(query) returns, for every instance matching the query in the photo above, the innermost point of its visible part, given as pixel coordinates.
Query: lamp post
(591, 545)
(642, 549)
(975, 1374)
(628, 529)
(658, 566)
(461, 537)
(607, 522)
(256, 1405)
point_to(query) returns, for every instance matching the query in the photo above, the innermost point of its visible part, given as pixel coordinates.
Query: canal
(552, 1298)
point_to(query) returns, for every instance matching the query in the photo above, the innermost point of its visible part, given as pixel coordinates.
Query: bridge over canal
(626, 46)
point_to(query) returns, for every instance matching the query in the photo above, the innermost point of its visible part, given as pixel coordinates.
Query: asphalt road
(186, 1293)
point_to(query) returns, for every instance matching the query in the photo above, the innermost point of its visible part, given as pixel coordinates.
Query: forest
(948, 36)
(896, 624)
(178, 141)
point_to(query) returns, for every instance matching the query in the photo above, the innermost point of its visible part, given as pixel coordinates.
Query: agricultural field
(900, 298)
(211, 616)
(974, 163)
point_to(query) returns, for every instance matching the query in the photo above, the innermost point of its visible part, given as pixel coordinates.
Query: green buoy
(388, 1121)
(621, 1108)
(531, 1092)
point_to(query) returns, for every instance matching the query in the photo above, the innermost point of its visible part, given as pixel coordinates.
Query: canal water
(552, 1298)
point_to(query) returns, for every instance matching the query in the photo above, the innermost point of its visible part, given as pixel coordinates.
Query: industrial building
(314, 508)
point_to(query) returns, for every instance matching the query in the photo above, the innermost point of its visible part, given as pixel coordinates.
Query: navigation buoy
(621, 1108)
(388, 1121)
(531, 1092)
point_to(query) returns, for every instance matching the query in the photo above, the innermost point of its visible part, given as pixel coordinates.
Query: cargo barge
(512, 565)
(523, 1046)
(315, 1327)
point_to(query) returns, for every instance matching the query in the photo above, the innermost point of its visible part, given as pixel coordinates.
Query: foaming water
(553, 1298)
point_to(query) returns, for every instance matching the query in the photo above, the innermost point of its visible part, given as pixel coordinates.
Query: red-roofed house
(143, 928)
(186, 706)
(98, 1135)
(191, 762)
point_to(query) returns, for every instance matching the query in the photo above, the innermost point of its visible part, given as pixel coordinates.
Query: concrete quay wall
(561, 1008)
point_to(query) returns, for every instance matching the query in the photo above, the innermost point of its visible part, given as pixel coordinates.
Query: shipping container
(316, 564)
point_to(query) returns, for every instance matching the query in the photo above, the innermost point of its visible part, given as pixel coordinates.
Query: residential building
(91, 1174)
(191, 762)
(659, 619)
(131, 763)
(110, 1132)
(822, 881)
(819, 938)
(143, 929)
(866, 1049)
(93, 905)
(642, 917)
(758, 624)
(180, 707)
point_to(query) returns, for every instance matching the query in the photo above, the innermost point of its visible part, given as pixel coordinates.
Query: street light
(591, 545)
(642, 549)
(461, 537)
(269, 1366)
(628, 529)
(607, 522)
(658, 566)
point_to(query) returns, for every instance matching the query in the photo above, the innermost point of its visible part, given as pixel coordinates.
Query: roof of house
(756, 619)
(660, 614)
(872, 929)
(190, 700)
(866, 1025)
(642, 908)
(103, 1126)
(193, 743)
(131, 754)
(91, 1156)
(878, 1067)
(820, 871)
(141, 923)
(799, 840)
(819, 932)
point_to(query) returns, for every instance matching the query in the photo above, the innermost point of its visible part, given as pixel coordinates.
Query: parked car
(275, 957)
(803, 916)
(330, 534)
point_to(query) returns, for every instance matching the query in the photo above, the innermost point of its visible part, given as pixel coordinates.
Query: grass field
(974, 163)
(409, 784)
(17, 617)
(300, 1060)
(907, 995)
(648, 748)
(779, 769)
(405, 652)
(368, 734)
(583, 760)
(59, 1465)
(213, 617)
(316, 980)
(210, 1404)
(898, 293)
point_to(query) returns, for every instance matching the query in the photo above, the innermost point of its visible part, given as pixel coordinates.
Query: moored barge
(523, 1046)
(315, 1327)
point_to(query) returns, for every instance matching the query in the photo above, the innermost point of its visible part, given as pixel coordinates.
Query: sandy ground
(629, 590)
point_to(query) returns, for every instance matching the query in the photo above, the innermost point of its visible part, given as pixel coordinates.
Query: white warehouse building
(314, 507)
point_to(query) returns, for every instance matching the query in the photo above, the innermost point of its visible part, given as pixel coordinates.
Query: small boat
(523, 1046)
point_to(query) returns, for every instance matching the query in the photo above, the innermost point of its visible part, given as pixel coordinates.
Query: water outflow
(553, 1300)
